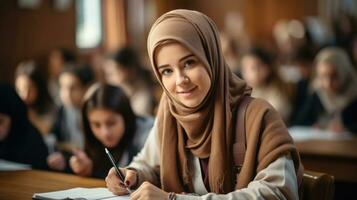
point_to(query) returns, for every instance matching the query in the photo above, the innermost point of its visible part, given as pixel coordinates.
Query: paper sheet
(6, 165)
(80, 193)
(302, 133)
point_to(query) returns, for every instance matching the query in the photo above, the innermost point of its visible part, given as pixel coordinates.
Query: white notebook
(80, 194)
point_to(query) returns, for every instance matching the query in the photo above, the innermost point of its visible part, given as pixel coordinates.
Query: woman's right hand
(114, 183)
(56, 161)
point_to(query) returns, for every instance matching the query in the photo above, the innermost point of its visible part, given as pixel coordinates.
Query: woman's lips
(187, 93)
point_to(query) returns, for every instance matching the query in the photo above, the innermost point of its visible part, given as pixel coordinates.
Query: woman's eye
(166, 71)
(95, 125)
(190, 63)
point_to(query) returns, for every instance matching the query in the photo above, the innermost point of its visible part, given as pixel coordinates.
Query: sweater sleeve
(147, 161)
(277, 181)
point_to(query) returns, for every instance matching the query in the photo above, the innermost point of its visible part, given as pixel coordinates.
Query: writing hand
(114, 183)
(149, 191)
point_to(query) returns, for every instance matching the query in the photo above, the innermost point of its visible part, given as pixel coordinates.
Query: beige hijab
(205, 130)
(337, 57)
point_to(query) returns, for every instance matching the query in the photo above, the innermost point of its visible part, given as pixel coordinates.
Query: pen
(120, 174)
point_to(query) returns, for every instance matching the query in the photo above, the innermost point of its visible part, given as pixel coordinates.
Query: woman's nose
(181, 78)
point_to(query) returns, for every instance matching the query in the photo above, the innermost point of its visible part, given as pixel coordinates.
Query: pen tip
(106, 150)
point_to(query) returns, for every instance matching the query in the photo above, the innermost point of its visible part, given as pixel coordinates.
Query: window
(89, 23)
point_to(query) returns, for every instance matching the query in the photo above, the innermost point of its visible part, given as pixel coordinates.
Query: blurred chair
(317, 186)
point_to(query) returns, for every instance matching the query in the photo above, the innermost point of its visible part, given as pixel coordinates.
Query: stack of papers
(80, 193)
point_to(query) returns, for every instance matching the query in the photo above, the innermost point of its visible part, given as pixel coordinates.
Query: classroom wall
(259, 15)
(28, 34)
(31, 33)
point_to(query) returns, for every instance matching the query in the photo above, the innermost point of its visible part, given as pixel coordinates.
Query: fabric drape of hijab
(205, 130)
(346, 74)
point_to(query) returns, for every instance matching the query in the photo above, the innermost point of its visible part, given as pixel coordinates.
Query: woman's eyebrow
(181, 59)
(162, 66)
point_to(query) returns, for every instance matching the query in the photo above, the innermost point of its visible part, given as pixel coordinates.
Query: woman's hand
(149, 191)
(81, 164)
(56, 161)
(336, 126)
(115, 185)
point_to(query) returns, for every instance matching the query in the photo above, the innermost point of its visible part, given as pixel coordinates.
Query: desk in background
(23, 184)
(328, 152)
(335, 157)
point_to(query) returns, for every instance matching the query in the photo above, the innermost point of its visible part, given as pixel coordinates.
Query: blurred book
(6, 165)
(80, 193)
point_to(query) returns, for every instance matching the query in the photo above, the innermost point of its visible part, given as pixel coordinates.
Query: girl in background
(124, 69)
(73, 82)
(333, 103)
(32, 88)
(20, 141)
(108, 121)
(259, 72)
(57, 60)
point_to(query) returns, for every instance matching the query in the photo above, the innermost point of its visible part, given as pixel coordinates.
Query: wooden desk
(23, 184)
(335, 157)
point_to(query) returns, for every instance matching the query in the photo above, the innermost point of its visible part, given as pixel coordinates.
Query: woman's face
(5, 125)
(327, 77)
(183, 75)
(71, 90)
(108, 127)
(114, 74)
(56, 62)
(254, 71)
(26, 89)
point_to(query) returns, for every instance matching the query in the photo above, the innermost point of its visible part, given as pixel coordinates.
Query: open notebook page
(80, 193)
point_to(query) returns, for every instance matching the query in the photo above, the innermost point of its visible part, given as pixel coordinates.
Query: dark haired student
(108, 121)
(20, 141)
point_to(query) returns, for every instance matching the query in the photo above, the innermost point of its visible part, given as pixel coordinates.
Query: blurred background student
(333, 103)
(259, 70)
(58, 58)
(108, 121)
(20, 141)
(31, 86)
(124, 69)
(73, 82)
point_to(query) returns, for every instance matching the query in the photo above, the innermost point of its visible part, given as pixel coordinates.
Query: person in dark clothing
(333, 102)
(73, 81)
(303, 60)
(20, 141)
(108, 121)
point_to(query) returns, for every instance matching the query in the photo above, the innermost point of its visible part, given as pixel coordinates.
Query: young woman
(74, 82)
(124, 69)
(190, 147)
(108, 121)
(58, 58)
(32, 88)
(258, 70)
(20, 141)
(333, 103)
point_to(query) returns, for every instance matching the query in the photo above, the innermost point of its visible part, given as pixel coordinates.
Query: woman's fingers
(149, 191)
(130, 178)
(56, 161)
(114, 184)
